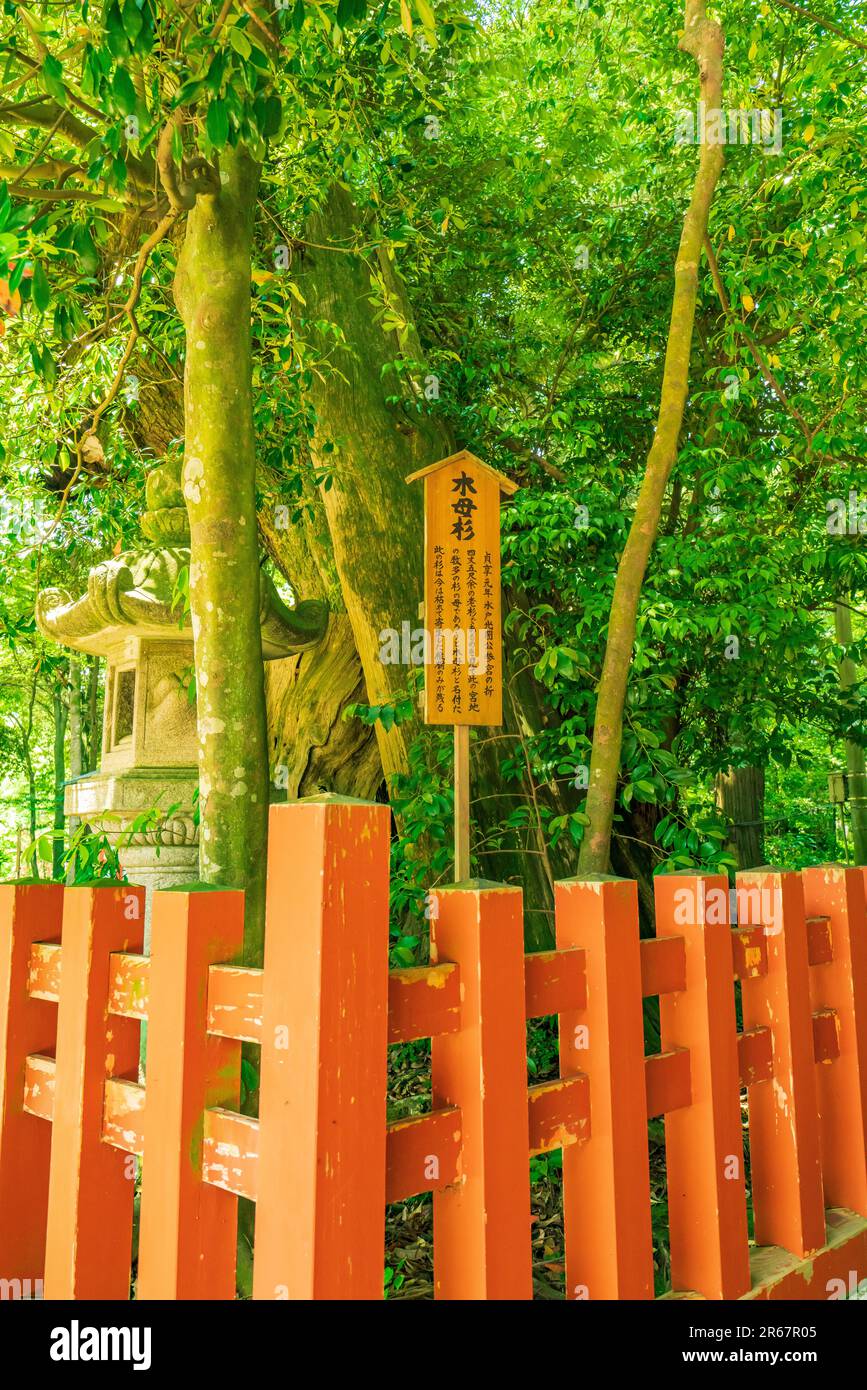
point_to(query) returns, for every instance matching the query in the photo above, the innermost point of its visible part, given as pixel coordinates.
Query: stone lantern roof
(136, 590)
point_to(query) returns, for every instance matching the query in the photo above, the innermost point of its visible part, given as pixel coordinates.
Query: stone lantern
(143, 795)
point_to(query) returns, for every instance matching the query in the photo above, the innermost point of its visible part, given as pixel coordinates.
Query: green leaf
(86, 251)
(268, 112)
(40, 289)
(52, 76)
(132, 20)
(217, 123)
(123, 91)
(239, 41)
(216, 72)
(189, 92)
(118, 44)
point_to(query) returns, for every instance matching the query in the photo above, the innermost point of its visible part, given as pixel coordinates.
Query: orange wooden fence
(321, 1161)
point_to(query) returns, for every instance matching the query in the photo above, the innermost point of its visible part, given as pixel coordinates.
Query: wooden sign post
(463, 662)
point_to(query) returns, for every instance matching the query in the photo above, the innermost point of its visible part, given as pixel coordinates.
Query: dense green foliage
(518, 165)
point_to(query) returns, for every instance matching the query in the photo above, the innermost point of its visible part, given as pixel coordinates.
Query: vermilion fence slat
(187, 1245)
(320, 1227)
(707, 1211)
(841, 984)
(784, 1124)
(321, 1161)
(92, 1185)
(28, 913)
(482, 1222)
(606, 1181)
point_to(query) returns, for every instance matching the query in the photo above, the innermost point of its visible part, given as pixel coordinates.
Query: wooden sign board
(462, 604)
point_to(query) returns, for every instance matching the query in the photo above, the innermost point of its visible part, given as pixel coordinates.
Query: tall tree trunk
(704, 39)
(94, 740)
(855, 760)
(31, 807)
(212, 291)
(57, 842)
(75, 728)
(740, 796)
(27, 757)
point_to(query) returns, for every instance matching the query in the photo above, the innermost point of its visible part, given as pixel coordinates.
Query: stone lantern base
(147, 815)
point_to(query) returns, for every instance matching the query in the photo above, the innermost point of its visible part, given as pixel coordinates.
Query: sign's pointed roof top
(464, 456)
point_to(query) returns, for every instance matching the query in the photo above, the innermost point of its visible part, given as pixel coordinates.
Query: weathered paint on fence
(321, 1161)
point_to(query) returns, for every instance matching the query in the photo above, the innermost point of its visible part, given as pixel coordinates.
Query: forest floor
(409, 1224)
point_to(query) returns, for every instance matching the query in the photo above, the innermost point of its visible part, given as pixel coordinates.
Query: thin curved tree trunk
(76, 741)
(93, 741)
(703, 38)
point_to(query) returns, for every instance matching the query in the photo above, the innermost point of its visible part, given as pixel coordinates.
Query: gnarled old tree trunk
(359, 545)
(366, 544)
(373, 518)
(312, 747)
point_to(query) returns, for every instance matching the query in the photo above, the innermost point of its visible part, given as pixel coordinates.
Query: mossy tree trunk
(212, 291)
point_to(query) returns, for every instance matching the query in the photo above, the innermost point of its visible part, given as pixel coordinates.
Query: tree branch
(820, 22)
(196, 176)
(49, 115)
(32, 193)
(129, 308)
(168, 170)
